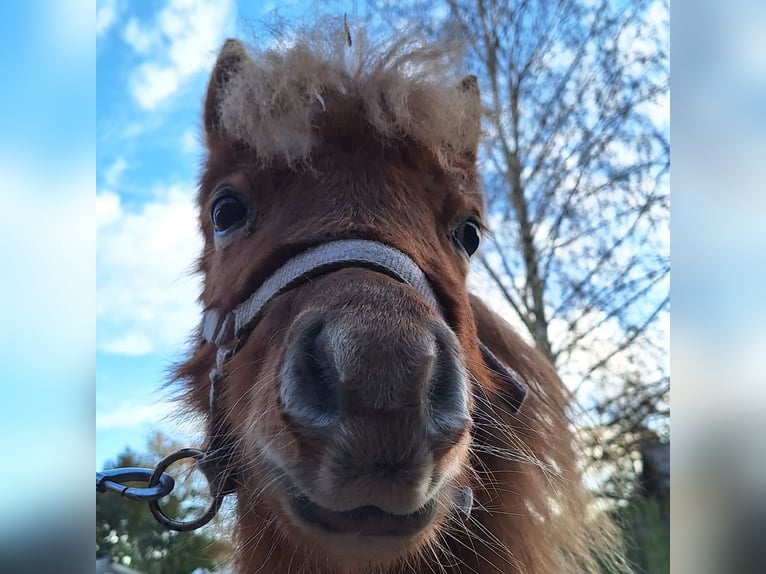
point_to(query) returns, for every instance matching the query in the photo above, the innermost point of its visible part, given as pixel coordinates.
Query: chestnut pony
(370, 414)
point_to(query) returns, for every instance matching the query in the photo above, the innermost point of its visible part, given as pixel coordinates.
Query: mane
(403, 88)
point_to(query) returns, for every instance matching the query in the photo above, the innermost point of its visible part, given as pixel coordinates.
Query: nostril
(309, 388)
(448, 396)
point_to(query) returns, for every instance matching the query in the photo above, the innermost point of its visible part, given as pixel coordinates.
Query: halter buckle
(217, 326)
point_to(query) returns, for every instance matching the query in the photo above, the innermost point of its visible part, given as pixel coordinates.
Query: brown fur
(407, 189)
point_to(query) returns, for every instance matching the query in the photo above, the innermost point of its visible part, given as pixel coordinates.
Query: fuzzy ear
(471, 124)
(500, 345)
(230, 57)
(515, 390)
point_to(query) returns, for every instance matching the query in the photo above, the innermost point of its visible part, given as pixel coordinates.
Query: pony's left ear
(230, 59)
(511, 385)
(471, 116)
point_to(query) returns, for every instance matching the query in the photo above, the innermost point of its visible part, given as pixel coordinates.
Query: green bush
(646, 528)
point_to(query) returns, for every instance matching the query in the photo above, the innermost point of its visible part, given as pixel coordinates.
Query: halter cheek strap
(226, 330)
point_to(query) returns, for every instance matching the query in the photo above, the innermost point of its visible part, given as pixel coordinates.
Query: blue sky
(152, 61)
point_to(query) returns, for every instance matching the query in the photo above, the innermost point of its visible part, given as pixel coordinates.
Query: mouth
(365, 520)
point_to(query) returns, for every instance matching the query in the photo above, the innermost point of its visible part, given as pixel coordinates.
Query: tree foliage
(576, 167)
(128, 533)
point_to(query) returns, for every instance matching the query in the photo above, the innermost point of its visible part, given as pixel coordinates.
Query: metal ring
(172, 523)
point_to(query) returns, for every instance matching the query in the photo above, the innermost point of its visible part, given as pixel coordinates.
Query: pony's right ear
(230, 58)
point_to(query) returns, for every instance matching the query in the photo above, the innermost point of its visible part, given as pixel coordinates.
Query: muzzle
(228, 330)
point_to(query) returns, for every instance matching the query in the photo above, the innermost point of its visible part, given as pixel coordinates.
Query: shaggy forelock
(405, 88)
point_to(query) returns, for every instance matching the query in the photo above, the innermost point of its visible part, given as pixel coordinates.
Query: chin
(362, 535)
(366, 534)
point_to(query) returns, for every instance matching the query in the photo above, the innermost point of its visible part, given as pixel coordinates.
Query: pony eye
(228, 213)
(468, 236)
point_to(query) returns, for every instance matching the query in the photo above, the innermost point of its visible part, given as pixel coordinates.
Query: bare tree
(576, 168)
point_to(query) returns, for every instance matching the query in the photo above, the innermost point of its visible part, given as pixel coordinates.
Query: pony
(370, 413)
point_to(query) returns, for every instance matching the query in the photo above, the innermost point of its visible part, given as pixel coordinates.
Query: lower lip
(366, 520)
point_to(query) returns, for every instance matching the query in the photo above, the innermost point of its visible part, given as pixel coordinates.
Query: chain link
(159, 484)
(115, 479)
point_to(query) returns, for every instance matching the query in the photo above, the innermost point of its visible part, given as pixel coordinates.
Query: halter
(229, 330)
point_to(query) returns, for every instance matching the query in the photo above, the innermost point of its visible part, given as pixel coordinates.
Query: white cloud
(152, 84)
(657, 18)
(145, 293)
(181, 42)
(482, 285)
(658, 110)
(114, 171)
(108, 208)
(131, 415)
(106, 14)
(133, 344)
(140, 39)
(150, 414)
(190, 142)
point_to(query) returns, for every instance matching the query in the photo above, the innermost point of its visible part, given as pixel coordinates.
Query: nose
(337, 368)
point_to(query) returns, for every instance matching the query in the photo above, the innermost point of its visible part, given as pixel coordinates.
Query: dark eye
(468, 236)
(228, 213)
